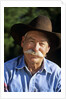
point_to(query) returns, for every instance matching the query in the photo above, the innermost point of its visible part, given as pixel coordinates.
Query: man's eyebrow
(30, 38)
(44, 40)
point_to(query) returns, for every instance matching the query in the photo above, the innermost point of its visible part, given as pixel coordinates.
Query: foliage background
(13, 15)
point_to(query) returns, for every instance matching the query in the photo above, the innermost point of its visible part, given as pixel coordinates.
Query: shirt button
(34, 90)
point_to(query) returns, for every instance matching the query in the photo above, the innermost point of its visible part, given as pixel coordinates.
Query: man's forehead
(35, 33)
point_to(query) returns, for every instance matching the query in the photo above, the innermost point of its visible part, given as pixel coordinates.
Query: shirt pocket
(14, 86)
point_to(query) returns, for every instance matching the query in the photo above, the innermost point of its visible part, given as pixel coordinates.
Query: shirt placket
(32, 87)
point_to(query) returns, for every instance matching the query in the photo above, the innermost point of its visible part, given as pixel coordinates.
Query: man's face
(36, 42)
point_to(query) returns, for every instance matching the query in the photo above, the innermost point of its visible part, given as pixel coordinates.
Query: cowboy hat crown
(42, 23)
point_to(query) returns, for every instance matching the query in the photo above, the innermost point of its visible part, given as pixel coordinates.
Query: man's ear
(22, 41)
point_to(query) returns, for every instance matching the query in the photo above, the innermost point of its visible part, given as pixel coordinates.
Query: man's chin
(35, 59)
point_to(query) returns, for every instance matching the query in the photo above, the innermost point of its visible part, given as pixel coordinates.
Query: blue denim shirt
(18, 78)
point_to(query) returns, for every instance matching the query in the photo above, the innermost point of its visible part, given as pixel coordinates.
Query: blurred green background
(13, 15)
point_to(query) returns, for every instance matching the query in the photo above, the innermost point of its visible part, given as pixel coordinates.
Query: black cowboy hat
(40, 23)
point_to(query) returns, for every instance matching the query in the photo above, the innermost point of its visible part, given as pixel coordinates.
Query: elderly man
(32, 72)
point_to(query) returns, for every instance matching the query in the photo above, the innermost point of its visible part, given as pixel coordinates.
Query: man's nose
(36, 47)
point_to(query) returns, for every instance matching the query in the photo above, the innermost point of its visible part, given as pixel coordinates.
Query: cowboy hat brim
(19, 30)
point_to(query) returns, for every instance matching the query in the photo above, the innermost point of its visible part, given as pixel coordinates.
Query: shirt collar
(21, 63)
(45, 65)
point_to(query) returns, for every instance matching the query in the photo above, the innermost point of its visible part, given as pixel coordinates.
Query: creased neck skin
(33, 67)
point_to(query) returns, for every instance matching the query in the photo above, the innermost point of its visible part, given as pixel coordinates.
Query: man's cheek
(44, 53)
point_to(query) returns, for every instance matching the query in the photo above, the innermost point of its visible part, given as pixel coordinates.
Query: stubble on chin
(31, 61)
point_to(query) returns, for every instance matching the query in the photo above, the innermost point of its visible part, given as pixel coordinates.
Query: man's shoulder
(13, 62)
(52, 66)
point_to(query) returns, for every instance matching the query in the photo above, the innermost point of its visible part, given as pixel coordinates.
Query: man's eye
(31, 41)
(42, 44)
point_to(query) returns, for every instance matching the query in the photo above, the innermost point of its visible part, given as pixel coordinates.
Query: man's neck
(33, 68)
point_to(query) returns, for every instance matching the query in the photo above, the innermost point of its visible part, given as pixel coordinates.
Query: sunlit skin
(36, 41)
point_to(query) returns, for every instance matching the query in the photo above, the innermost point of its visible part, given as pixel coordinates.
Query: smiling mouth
(34, 56)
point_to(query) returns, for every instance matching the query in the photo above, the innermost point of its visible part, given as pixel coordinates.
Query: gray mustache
(34, 53)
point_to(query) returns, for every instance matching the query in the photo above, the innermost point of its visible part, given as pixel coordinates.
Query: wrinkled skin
(37, 42)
